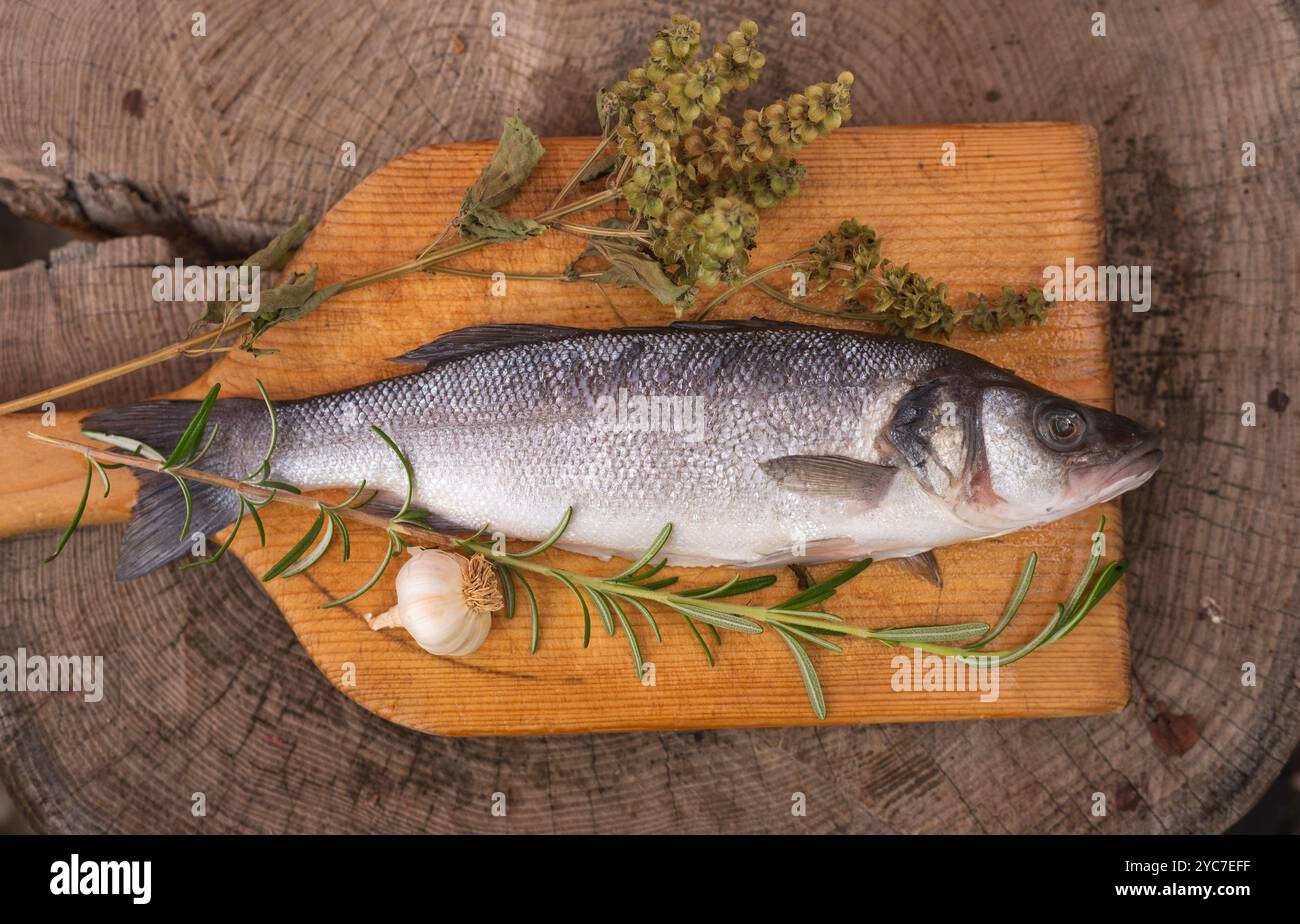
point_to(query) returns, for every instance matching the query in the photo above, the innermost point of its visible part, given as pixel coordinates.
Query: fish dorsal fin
(831, 476)
(470, 341)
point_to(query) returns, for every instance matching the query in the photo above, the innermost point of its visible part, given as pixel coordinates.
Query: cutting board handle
(42, 484)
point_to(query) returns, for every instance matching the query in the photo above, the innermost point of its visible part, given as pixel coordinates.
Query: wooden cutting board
(1021, 196)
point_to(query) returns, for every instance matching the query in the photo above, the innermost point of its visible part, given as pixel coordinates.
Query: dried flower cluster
(906, 302)
(701, 176)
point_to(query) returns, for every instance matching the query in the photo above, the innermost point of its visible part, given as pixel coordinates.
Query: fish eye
(1061, 428)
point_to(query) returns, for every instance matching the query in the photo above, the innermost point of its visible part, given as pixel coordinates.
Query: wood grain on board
(1027, 196)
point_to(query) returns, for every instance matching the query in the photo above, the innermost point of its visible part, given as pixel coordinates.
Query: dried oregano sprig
(698, 177)
(879, 291)
(633, 588)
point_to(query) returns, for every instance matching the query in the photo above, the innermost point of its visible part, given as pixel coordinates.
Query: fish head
(1003, 453)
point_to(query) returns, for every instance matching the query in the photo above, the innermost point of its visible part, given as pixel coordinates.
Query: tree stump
(164, 145)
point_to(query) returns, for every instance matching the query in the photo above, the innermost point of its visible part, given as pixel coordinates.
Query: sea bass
(762, 443)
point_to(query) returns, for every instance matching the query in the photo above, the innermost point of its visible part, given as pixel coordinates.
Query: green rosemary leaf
(813, 614)
(257, 521)
(103, 475)
(645, 611)
(406, 468)
(189, 504)
(394, 546)
(327, 536)
(279, 486)
(637, 663)
(299, 548)
(719, 619)
(135, 447)
(700, 638)
(649, 555)
(194, 460)
(506, 578)
(810, 597)
(348, 502)
(345, 540)
(264, 469)
(586, 614)
(1085, 578)
(1036, 642)
(1109, 577)
(194, 430)
(733, 588)
(76, 519)
(219, 553)
(1013, 605)
(660, 584)
(811, 683)
(931, 633)
(549, 540)
(645, 575)
(532, 606)
(602, 607)
(803, 633)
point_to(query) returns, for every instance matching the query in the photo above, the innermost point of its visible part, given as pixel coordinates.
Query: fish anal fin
(923, 565)
(831, 476)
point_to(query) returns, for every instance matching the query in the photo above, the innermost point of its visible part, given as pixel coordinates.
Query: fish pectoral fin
(831, 476)
(923, 565)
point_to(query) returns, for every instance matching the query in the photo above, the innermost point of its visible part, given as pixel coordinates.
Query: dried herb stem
(207, 338)
(751, 279)
(520, 277)
(578, 174)
(104, 375)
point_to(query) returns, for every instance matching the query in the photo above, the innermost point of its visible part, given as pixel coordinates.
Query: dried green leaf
(291, 300)
(273, 256)
(276, 254)
(516, 154)
(489, 224)
(628, 267)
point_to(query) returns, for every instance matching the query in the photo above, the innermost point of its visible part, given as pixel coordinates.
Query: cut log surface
(207, 690)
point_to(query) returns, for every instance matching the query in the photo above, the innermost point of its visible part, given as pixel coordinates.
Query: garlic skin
(444, 600)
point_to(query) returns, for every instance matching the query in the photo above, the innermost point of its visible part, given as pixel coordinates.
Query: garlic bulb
(444, 600)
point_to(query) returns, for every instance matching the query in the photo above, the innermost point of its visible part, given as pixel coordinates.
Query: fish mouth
(1133, 471)
(1143, 466)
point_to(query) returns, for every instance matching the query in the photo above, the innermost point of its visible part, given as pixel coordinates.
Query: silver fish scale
(513, 435)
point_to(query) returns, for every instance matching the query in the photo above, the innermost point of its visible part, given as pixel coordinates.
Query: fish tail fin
(153, 537)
